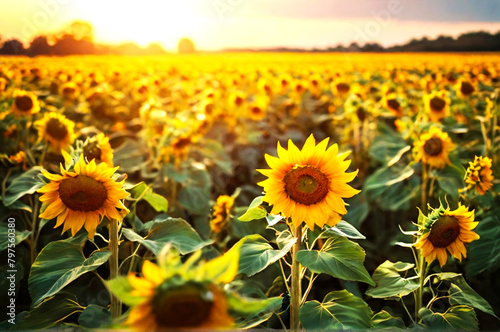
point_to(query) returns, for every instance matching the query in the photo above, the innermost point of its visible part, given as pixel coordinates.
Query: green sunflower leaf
(384, 320)
(145, 192)
(178, 232)
(94, 316)
(339, 310)
(25, 184)
(254, 211)
(50, 312)
(59, 264)
(389, 282)
(256, 253)
(457, 317)
(19, 236)
(462, 293)
(339, 257)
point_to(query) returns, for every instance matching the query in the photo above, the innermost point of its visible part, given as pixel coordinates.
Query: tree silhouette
(12, 47)
(39, 46)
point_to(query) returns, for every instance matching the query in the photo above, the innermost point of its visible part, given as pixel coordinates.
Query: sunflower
(69, 91)
(479, 175)
(25, 103)
(433, 148)
(391, 102)
(437, 105)
(83, 196)
(3, 84)
(464, 88)
(446, 230)
(56, 129)
(222, 210)
(172, 303)
(98, 148)
(258, 108)
(18, 157)
(309, 184)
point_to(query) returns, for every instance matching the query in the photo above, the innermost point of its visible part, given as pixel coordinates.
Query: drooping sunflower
(446, 230)
(479, 175)
(308, 185)
(83, 196)
(437, 105)
(173, 303)
(98, 148)
(25, 103)
(433, 148)
(56, 129)
(222, 210)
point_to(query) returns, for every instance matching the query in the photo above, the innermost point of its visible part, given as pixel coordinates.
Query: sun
(163, 22)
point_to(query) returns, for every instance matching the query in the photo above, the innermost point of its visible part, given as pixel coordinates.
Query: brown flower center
(82, 193)
(444, 231)
(437, 104)
(393, 104)
(433, 146)
(24, 103)
(69, 91)
(306, 185)
(209, 108)
(343, 87)
(238, 101)
(92, 151)
(188, 305)
(466, 88)
(181, 143)
(56, 129)
(361, 113)
(256, 110)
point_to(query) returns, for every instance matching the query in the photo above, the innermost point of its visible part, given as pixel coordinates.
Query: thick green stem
(116, 306)
(296, 287)
(421, 276)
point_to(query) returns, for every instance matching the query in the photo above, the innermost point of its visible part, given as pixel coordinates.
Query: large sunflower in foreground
(173, 303)
(446, 230)
(83, 196)
(25, 103)
(433, 148)
(56, 129)
(308, 185)
(479, 175)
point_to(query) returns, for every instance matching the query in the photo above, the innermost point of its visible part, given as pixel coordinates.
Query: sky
(218, 24)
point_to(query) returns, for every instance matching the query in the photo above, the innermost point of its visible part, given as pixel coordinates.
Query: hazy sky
(215, 24)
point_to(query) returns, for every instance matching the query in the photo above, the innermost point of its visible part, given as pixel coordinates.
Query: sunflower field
(250, 190)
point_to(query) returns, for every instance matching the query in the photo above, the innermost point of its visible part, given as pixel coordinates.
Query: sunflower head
(83, 196)
(69, 90)
(174, 295)
(222, 211)
(258, 108)
(464, 88)
(308, 185)
(479, 175)
(98, 148)
(445, 230)
(433, 148)
(437, 105)
(25, 103)
(392, 103)
(56, 129)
